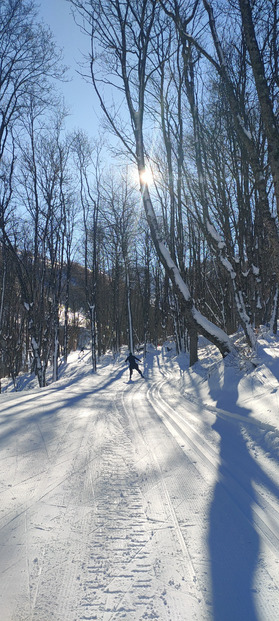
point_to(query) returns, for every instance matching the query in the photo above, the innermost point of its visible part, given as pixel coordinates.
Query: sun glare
(146, 177)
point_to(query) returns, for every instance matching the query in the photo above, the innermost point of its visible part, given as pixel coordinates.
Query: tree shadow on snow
(13, 419)
(233, 538)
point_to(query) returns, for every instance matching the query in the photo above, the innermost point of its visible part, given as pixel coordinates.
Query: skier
(133, 364)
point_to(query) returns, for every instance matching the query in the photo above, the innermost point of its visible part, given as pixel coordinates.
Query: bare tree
(126, 34)
(119, 214)
(87, 161)
(28, 58)
(268, 33)
(217, 51)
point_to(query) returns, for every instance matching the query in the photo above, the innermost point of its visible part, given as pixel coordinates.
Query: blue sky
(79, 96)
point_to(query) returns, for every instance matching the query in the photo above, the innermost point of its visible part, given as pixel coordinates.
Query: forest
(165, 226)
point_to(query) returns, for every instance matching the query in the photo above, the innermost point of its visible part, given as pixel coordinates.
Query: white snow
(256, 270)
(150, 499)
(228, 266)
(212, 231)
(211, 328)
(245, 130)
(183, 287)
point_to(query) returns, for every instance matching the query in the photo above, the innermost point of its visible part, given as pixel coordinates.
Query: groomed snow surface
(150, 499)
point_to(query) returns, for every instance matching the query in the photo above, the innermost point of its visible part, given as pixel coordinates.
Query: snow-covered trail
(133, 501)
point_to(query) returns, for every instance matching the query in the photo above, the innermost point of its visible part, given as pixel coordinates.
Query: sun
(146, 177)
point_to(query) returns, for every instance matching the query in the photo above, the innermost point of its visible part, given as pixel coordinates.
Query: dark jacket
(132, 361)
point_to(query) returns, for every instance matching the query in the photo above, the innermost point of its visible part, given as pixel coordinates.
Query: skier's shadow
(233, 539)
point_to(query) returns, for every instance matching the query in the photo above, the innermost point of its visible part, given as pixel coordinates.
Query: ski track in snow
(134, 501)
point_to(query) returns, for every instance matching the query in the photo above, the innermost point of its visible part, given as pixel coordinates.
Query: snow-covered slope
(150, 499)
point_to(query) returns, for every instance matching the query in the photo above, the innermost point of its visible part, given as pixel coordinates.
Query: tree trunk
(55, 343)
(194, 318)
(39, 367)
(274, 314)
(92, 309)
(193, 335)
(269, 118)
(4, 275)
(66, 321)
(129, 312)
